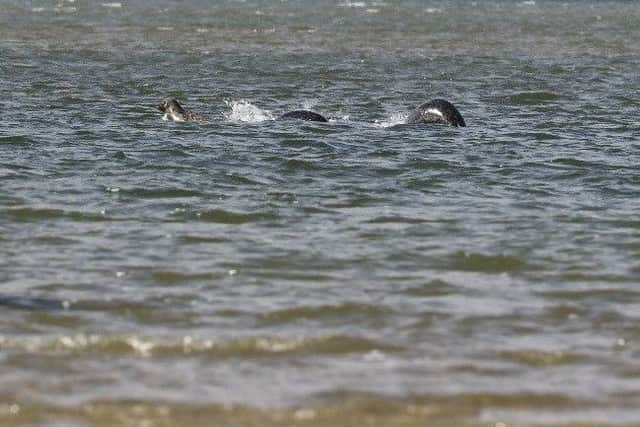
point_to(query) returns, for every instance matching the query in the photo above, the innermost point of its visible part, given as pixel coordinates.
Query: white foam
(140, 346)
(392, 120)
(304, 414)
(172, 117)
(65, 9)
(353, 4)
(309, 104)
(113, 5)
(244, 111)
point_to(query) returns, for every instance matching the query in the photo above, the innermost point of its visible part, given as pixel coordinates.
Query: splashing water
(244, 111)
(309, 104)
(392, 120)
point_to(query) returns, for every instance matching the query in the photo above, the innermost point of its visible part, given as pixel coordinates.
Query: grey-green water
(360, 272)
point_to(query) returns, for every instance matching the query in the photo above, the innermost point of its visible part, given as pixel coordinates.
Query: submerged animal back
(302, 115)
(437, 111)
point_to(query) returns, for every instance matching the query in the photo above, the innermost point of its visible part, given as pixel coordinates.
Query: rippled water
(357, 272)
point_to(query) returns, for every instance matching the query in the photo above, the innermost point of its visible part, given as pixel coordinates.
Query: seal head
(302, 115)
(437, 111)
(173, 111)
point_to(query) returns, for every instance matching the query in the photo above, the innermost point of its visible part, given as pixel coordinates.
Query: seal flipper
(437, 111)
(302, 115)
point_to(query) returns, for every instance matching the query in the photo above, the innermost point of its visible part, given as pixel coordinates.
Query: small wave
(571, 161)
(245, 112)
(172, 277)
(332, 407)
(433, 288)
(195, 240)
(37, 214)
(112, 5)
(222, 216)
(541, 358)
(32, 303)
(295, 165)
(486, 263)
(65, 9)
(338, 311)
(609, 294)
(432, 164)
(242, 347)
(15, 139)
(395, 219)
(58, 9)
(532, 98)
(160, 193)
(354, 4)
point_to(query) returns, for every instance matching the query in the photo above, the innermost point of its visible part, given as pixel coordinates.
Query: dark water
(252, 272)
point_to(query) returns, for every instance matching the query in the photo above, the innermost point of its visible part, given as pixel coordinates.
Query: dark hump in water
(302, 115)
(437, 111)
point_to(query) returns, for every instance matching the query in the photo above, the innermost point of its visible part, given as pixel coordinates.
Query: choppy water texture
(250, 272)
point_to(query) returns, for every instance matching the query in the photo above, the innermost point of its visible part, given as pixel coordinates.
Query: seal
(302, 115)
(437, 111)
(173, 111)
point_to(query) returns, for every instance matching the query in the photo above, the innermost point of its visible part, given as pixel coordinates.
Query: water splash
(392, 120)
(309, 104)
(358, 4)
(244, 111)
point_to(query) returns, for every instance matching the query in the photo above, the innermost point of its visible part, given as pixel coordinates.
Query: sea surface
(361, 272)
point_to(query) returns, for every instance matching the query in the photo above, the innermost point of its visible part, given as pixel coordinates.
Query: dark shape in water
(437, 111)
(173, 111)
(302, 115)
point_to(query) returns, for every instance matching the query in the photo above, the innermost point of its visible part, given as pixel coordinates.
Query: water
(254, 272)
